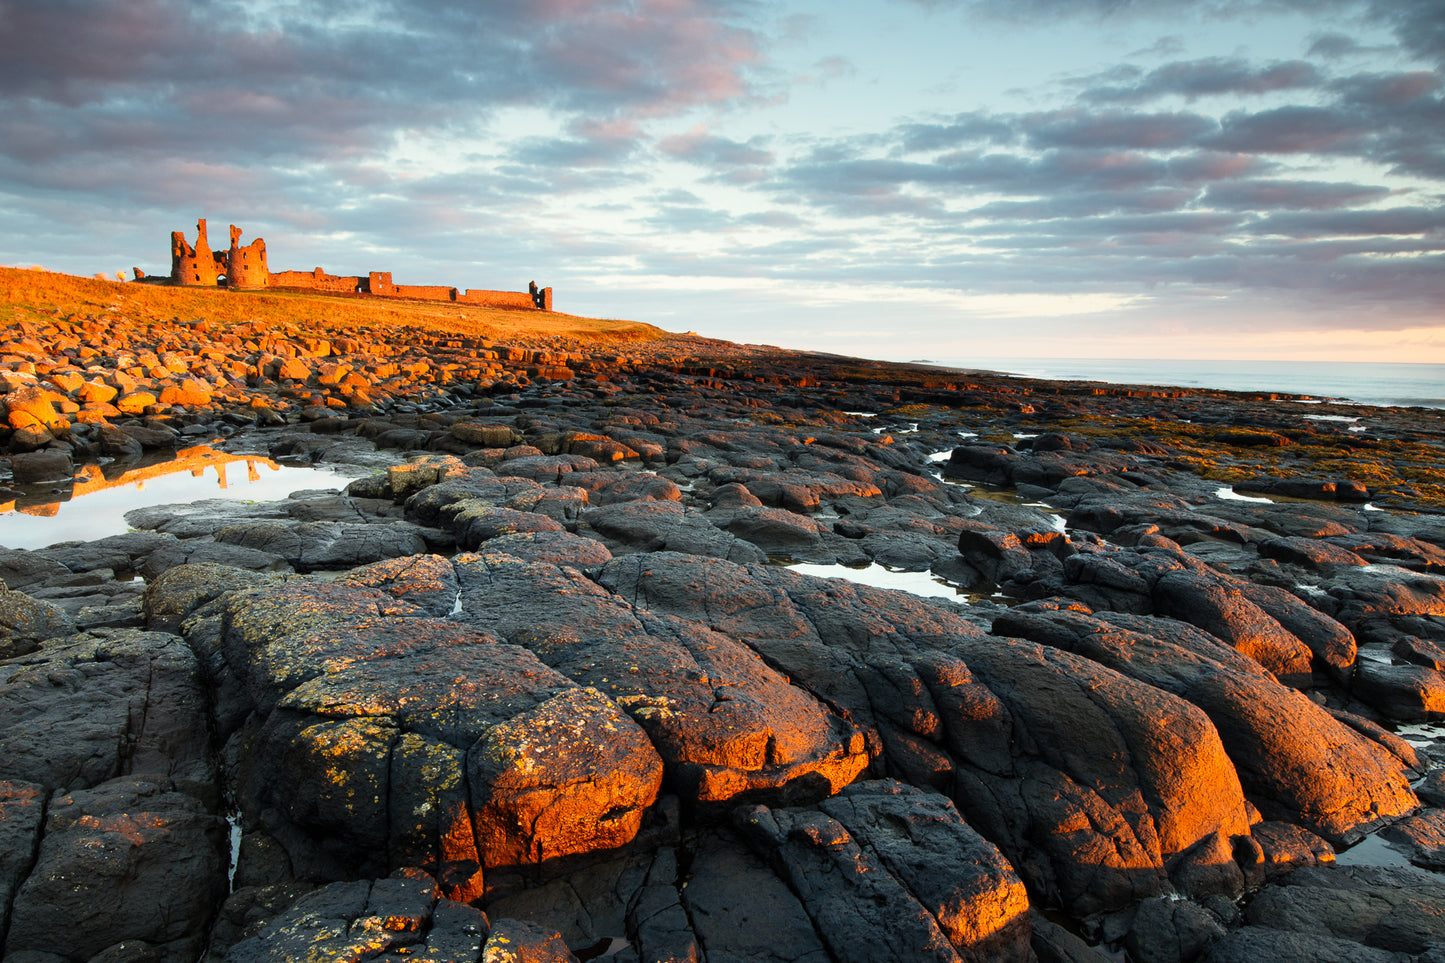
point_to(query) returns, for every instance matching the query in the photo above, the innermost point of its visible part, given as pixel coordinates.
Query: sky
(900, 179)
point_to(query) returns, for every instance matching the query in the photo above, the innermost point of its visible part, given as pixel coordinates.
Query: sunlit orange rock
(571, 776)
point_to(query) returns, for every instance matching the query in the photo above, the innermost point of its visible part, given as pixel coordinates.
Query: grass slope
(34, 295)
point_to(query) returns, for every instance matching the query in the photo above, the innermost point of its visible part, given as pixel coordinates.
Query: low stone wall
(318, 281)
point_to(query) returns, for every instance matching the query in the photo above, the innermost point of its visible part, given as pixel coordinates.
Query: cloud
(1212, 76)
(310, 80)
(698, 146)
(1077, 127)
(1294, 130)
(1258, 195)
(1393, 221)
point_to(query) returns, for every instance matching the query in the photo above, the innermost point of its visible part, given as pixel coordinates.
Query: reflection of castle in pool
(244, 267)
(94, 505)
(91, 479)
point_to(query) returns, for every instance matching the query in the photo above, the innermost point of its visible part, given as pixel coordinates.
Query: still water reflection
(94, 505)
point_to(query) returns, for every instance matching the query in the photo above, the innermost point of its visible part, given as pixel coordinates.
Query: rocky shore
(538, 686)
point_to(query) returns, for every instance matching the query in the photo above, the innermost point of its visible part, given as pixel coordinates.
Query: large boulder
(726, 724)
(1015, 732)
(387, 738)
(1295, 760)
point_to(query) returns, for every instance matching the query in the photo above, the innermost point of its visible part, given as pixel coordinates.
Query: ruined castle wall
(425, 292)
(318, 280)
(497, 299)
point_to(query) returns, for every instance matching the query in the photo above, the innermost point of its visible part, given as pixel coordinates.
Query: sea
(1363, 382)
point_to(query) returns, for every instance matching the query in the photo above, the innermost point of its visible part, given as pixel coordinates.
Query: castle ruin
(244, 268)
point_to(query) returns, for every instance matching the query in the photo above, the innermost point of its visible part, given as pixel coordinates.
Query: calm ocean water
(1368, 383)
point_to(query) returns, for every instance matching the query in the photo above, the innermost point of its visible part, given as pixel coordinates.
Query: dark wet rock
(25, 621)
(174, 594)
(313, 545)
(1295, 760)
(35, 467)
(129, 859)
(400, 917)
(440, 731)
(1280, 848)
(89, 708)
(556, 548)
(517, 941)
(22, 813)
(204, 517)
(246, 911)
(610, 487)
(1312, 553)
(665, 527)
(1410, 693)
(796, 491)
(1376, 601)
(1000, 556)
(428, 582)
(778, 532)
(476, 522)
(117, 443)
(1341, 913)
(1261, 943)
(741, 910)
(1431, 789)
(601, 900)
(1423, 836)
(198, 551)
(1422, 652)
(1167, 930)
(856, 878)
(120, 553)
(546, 468)
(1330, 643)
(485, 435)
(426, 499)
(1390, 549)
(21, 569)
(1227, 613)
(1052, 943)
(960, 878)
(569, 776)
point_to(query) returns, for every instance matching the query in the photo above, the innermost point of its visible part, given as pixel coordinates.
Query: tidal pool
(924, 584)
(94, 505)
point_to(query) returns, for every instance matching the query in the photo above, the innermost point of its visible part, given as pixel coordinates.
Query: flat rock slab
(1341, 913)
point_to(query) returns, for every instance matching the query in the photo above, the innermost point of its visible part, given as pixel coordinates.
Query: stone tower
(193, 266)
(246, 266)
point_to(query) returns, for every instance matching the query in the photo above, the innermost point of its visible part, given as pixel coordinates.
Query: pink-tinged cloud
(700, 146)
(1293, 130)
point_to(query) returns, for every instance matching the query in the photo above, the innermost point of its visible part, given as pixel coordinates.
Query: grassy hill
(36, 295)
